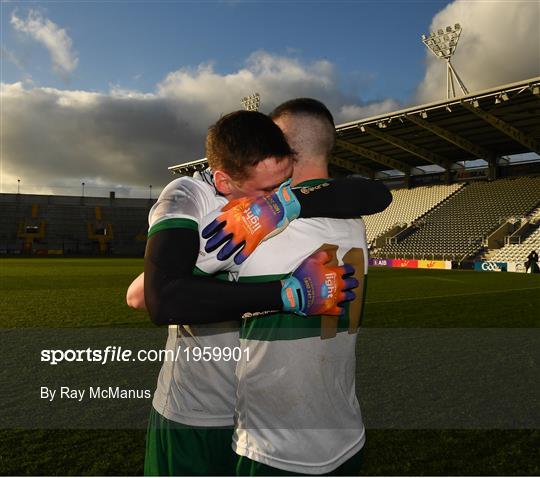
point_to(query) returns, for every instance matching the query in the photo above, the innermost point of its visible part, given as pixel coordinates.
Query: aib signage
(379, 262)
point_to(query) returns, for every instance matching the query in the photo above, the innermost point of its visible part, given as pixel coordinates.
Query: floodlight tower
(252, 102)
(443, 44)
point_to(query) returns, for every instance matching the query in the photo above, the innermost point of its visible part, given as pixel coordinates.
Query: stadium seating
(458, 227)
(407, 206)
(449, 222)
(518, 252)
(67, 221)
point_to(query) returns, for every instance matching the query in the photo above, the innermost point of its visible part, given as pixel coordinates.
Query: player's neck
(305, 172)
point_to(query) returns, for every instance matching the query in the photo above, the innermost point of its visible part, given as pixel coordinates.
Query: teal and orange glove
(246, 222)
(316, 287)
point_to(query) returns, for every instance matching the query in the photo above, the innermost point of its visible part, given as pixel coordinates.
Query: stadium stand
(526, 241)
(453, 222)
(518, 252)
(407, 206)
(458, 227)
(46, 225)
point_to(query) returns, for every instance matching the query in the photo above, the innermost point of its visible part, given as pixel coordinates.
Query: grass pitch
(90, 293)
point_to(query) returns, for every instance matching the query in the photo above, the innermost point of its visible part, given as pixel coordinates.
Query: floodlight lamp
(251, 102)
(443, 45)
(362, 128)
(475, 103)
(423, 114)
(504, 96)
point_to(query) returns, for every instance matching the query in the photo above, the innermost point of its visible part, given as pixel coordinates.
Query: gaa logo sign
(490, 266)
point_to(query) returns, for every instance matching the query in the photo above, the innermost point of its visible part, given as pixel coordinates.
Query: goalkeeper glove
(249, 221)
(317, 288)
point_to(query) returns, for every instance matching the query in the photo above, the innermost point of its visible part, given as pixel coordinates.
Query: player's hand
(249, 221)
(318, 288)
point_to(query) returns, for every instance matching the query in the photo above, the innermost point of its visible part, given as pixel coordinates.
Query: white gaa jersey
(296, 407)
(191, 392)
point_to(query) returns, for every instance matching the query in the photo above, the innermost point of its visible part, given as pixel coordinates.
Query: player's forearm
(203, 300)
(343, 198)
(173, 295)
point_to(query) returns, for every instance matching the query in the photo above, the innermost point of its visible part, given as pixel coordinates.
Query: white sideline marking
(449, 295)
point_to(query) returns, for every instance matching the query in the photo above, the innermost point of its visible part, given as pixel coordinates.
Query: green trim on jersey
(199, 272)
(265, 278)
(284, 326)
(312, 182)
(218, 275)
(173, 224)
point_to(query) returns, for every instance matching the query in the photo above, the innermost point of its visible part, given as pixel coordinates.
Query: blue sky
(135, 44)
(112, 93)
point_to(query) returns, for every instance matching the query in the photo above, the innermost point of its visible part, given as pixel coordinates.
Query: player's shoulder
(185, 198)
(186, 185)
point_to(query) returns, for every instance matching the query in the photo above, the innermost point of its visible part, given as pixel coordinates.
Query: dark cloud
(128, 138)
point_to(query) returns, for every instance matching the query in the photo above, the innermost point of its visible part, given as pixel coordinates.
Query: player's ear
(223, 182)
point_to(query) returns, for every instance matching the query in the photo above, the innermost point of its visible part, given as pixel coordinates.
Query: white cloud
(500, 43)
(8, 55)
(52, 37)
(130, 137)
(354, 112)
(276, 78)
(126, 138)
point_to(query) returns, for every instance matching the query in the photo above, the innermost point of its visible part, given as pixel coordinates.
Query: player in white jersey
(199, 395)
(194, 400)
(297, 410)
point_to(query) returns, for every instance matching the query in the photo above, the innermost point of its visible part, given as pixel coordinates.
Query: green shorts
(176, 449)
(248, 467)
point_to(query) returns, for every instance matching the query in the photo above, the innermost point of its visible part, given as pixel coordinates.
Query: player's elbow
(180, 307)
(156, 310)
(163, 306)
(134, 299)
(386, 197)
(383, 198)
(135, 293)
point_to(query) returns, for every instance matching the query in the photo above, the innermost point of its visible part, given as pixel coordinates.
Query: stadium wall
(69, 225)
